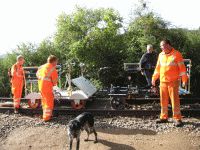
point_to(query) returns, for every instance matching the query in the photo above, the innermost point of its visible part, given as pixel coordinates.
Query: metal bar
(134, 101)
(136, 113)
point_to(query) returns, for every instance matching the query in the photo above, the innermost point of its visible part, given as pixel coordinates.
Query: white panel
(85, 85)
(78, 95)
(33, 95)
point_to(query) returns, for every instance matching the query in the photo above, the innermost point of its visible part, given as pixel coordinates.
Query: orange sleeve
(156, 73)
(54, 77)
(14, 70)
(182, 68)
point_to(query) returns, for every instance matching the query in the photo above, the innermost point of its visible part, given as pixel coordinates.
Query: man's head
(52, 60)
(20, 59)
(149, 48)
(165, 45)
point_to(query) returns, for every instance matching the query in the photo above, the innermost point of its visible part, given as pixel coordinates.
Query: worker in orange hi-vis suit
(47, 78)
(170, 69)
(17, 82)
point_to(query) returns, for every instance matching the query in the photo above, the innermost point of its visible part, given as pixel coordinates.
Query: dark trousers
(148, 75)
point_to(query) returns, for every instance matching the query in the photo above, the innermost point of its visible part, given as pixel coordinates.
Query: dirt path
(44, 138)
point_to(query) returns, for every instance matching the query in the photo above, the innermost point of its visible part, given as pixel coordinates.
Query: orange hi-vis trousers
(170, 90)
(47, 77)
(47, 104)
(17, 87)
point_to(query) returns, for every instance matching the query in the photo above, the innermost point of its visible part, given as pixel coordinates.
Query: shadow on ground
(126, 131)
(115, 146)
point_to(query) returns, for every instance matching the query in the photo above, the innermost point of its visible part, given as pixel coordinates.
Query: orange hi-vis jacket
(17, 82)
(17, 72)
(170, 67)
(47, 77)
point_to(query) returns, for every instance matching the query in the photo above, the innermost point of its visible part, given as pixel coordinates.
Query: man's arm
(142, 61)
(14, 70)
(182, 68)
(156, 73)
(54, 77)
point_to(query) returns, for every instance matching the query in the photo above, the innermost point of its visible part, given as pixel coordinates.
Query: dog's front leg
(88, 134)
(70, 144)
(95, 134)
(78, 143)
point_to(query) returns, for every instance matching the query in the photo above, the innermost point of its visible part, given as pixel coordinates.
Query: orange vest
(170, 67)
(17, 73)
(47, 77)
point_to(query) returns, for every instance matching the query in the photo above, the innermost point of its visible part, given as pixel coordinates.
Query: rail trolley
(122, 96)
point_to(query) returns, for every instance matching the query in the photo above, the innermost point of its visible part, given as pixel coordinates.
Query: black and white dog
(84, 121)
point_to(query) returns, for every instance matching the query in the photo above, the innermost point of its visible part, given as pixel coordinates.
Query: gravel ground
(19, 126)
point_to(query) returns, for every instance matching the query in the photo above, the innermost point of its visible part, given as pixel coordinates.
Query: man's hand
(55, 87)
(184, 84)
(153, 82)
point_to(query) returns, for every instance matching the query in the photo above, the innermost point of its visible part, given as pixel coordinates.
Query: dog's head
(74, 128)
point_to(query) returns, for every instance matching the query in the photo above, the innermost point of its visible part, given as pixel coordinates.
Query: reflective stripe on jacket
(170, 67)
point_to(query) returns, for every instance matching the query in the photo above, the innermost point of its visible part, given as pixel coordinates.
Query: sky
(34, 20)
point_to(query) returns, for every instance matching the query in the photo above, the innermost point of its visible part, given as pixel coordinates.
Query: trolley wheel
(118, 103)
(34, 105)
(79, 105)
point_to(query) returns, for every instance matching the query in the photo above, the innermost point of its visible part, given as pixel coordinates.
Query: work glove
(184, 84)
(153, 82)
(56, 88)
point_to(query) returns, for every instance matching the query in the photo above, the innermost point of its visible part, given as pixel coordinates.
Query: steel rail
(99, 112)
(132, 101)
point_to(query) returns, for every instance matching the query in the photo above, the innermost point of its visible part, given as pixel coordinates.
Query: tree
(145, 28)
(95, 37)
(92, 37)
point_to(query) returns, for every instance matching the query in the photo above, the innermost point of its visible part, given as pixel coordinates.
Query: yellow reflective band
(19, 75)
(169, 64)
(54, 81)
(177, 113)
(164, 112)
(44, 78)
(182, 73)
(49, 73)
(156, 73)
(164, 106)
(47, 110)
(180, 63)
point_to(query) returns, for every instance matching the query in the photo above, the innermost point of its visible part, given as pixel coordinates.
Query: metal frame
(134, 67)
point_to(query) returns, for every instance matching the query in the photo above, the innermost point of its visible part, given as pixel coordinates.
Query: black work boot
(161, 121)
(178, 123)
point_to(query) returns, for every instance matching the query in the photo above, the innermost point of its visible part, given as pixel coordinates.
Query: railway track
(188, 100)
(141, 107)
(99, 112)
